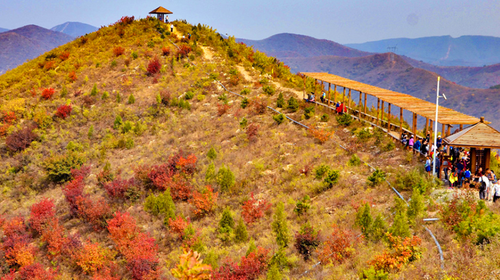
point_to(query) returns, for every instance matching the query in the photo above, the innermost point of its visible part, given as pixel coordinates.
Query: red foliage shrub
(49, 65)
(82, 172)
(72, 191)
(253, 209)
(17, 247)
(178, 225)
(184, 51)
(204, 202)
(403, 252)
(186, 165)
(64, 55)
(4, 129)
(36, 272)
(72, 76)
(320, 134)
(252, 131)
(53, 235)
(21, 139)
(93, 257)
(126, 20)
(161, 176)
(63, 111)
(222, 109)
(165, 51)
(180, 189)
(47, 93)
(41, 213)
(250, 266)
(306, 240)
(104, 275)
(122, 228)
(118, 187)
(339, 246)
(154, 66)
(117, 51)
(15, 226)
(94, 211)
(139, 249)
(259, 106)
(9, 117)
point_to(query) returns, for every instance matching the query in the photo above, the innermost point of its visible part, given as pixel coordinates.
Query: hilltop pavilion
(161, 13)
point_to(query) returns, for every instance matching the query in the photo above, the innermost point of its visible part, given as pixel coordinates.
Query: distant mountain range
(3, 30)
(442, 50)
(74, 29)
(285, 46)
(294, 45)
(28, 42)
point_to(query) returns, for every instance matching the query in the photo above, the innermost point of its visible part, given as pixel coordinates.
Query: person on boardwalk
(417, 145)
(428, 165)
(323, 97)
(171, 28)
(411, 142)
(496, 192)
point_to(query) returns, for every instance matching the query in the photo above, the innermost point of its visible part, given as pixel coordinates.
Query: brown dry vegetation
(269, 165)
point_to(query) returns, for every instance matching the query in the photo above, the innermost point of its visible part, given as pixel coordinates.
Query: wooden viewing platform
(447, 117)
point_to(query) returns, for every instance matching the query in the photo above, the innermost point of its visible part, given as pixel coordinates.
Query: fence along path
(345, 149)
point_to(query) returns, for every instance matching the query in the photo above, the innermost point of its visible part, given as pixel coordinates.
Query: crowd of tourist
(453, 168)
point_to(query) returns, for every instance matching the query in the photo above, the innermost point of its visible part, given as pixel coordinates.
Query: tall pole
(435, 131)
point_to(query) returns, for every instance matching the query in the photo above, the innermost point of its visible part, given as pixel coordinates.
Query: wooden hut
(161, 13)
(480, 139)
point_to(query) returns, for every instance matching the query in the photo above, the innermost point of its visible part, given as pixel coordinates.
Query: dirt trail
(277, 85)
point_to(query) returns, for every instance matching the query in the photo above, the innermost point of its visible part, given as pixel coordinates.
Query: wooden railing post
(359, 105)
(378, 108)
(329, 88)
(365, 103)
(382, 114)
(389, 118)
(414, 128)
(400, 121)
(335, 93)
(350, 100)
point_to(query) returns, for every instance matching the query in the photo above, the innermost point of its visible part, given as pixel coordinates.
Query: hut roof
(160, 10)
(479, 135)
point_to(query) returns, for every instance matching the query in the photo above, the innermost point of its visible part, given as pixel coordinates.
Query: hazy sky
(347, 21)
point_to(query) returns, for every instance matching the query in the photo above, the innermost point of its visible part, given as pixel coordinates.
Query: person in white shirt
(496, 191)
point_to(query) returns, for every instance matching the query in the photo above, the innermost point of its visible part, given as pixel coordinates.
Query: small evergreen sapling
(225, 179)
(364, 220)
(131, 99)
(94, 90)
(240, 232)
(280, 226)
(400, 226)
(212, 154)
(280, 103)
(210, 174)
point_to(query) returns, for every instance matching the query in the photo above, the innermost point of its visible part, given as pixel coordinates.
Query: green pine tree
(226, 223)
(225, 179)
(280, 103)
(131, 99)
(416, 208)
(364, 220)
(212, 154)
(251, 247)
(94, 90)
(90, 134)
(379, 228)
(210, 173)
(400, 226)
(241, 233)
(118, 122)
(280, 226)
(118, 97)
(274, 273)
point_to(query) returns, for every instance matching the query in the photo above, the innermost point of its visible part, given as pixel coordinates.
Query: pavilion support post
(382, 114)
(359, 105)
(349, 99)
(487, 158)
(448, 131)
(378, 107)
(365, 103)
(461, 127)
(443, 131)
(343, 98)
(335, 93)
(389, 118)
(329, 88)
(414, 124)
(400, 121)
(426, 126)
(431, 130)
(473, 160)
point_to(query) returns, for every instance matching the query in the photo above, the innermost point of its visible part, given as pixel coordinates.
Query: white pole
(435, 131)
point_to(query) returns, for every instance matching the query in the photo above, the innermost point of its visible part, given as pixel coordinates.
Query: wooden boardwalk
(418, 107)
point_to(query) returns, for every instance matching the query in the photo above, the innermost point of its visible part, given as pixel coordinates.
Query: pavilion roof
(413, 104)
(160, 10)
(479, 135)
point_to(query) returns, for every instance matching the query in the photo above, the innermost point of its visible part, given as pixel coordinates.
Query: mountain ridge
(74, 29)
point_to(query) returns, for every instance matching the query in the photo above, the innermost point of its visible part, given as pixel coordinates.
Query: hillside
(28, 42)
(441, 50)
(124, 153)
(74, 29)
(400, 76)
(474, 77)
(293, 45)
